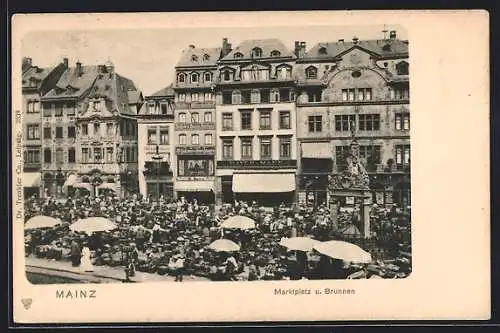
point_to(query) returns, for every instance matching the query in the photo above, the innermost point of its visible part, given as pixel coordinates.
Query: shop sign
(195, 178)
(195, 126)
(257, 164)
(349, 200)
(195, 150)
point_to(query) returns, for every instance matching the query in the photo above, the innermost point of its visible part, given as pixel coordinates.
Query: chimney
(27, 63)
(79, 71)
(302, 49)
(65, 62)
(297, 48)
(355, 40)
(392, 34)
(226, 47)
(341, 40)
(191, 46)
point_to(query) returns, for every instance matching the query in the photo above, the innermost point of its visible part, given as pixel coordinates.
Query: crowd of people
(172, 237)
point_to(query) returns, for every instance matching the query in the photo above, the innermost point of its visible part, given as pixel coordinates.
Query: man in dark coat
(75, 254)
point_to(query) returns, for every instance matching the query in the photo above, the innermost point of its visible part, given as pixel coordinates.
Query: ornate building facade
(256, 125)
(194, 124)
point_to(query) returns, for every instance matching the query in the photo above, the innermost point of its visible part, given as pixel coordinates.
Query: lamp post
(157, 158)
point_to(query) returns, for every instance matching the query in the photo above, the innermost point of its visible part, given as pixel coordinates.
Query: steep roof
(72, 85)
(195, 57)
(35, 75)
(267, 46)
(381, 47)
(168, 91)
(134, 96)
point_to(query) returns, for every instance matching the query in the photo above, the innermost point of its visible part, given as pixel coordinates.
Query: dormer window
(227, 75)
(256, 52)
(387, 48)
(238, 55)
(322, 50)
(206, 57)
(402, 68)
(275, 53)
(311, 72)
(194, 58)
(194, 77)
(182, 78)
(208, 77)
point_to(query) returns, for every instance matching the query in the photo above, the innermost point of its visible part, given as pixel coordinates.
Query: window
(227, 149)
(47, 155)
(238, 55)
(256, 52)
(402, 121)
(59, 132)
(208, 77)
(246, 120)
(400, 93)
(285, 147)
(311, 72)
(285, 120)
(33, 107)
(182, 139)
(369, 122)
(246, 96)
(364, 94)
(194, 77)
(59, 156)
(315, 124)
(275, 53)
(182, 117)
(227, 121)
(109, 129)
(164, 108)
(284, 95)
(97, 128)
(402, 68)
(85, 129)
(341, 154)
(209, 97)
(265, 148)
(227, 97)
(195, 117)
(227, 75)
(71, 132)
(32, 157)
(97, 155)
(195, 139)
(208, 139)
(152, 136)
(163, 136)
(47, 111)
(344, 123)
(370, 153)
(70, 109)
(194, 58)
(402, 155)
(265, 120)
(264, 96)
(208, 117)
(284, 73)
(314, 95)
(59, 110)
(109, 155)
(47, 132)
(322, 50)
(85, 155)
(246, 148)
(71, 155)
(348, 94)
(181, 97)
(33, 132)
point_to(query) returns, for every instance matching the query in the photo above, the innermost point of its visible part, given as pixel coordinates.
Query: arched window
(275, 53)
(311, 72)
(194, 58)
(194, 77)
(238, 55)
(182, 78)
(322, 50)
(256, 52)
(208, 77)
(206, 57)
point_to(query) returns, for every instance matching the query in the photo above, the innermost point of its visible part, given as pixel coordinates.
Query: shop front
(31, 183)
(315, 165)
(199, 188)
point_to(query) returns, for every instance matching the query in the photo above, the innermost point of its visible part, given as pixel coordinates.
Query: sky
(148, 56)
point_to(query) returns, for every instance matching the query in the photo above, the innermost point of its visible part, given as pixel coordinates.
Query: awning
(316, 150)
(194, 186)
(263, 182)
(31, 179)
(86, 186)
(72, 180)
(108, 186)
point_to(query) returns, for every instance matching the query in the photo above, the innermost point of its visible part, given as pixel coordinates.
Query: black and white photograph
(191, 158)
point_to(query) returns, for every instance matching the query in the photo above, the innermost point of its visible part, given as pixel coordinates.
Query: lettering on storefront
(257, 164)
(195, 126)
(201, 150)
(150, 149)
(195, 178)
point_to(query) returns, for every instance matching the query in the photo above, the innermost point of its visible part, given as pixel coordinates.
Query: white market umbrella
(40, 222)
(344, 251)
(93, 224)
(224, 245)
(238, 222)
(305, 244)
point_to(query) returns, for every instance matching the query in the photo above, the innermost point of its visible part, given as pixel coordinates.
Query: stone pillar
(218, 191)
(333, 204)
(365, 215)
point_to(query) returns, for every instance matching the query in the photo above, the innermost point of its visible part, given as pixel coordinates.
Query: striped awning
(194, 186)
(263, 182)
(31, 179)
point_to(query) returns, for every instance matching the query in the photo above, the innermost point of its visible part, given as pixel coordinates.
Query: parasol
(238, 222)
(305, 244)
(224, 245)
(344, 251)
(93, 224)
(40, 222)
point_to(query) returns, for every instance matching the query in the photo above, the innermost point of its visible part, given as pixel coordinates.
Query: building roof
(196, 57)
(381, 47)
(168, 91)
(134, 96)
(35, 75)
(72, 85)
(267, 46)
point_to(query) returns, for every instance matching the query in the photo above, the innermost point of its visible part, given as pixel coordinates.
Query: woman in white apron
(86, 263)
